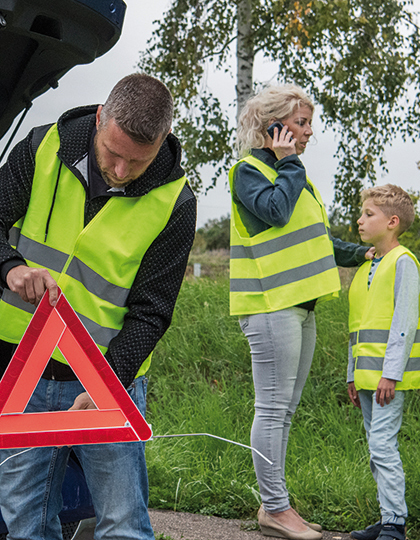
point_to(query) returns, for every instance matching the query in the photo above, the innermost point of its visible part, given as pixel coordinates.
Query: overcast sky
(91, 83)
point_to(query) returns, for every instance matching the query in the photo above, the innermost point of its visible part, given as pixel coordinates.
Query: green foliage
(177, 54)
(359, 59)
(411, 238)
(345, 226)
(201, 382)
(214, 235)
(341, 225)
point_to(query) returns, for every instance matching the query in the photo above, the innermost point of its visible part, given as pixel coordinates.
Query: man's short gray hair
(141, 106)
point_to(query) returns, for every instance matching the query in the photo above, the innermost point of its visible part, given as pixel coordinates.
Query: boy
(384, 351)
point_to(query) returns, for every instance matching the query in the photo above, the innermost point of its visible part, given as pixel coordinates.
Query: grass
(201, 382)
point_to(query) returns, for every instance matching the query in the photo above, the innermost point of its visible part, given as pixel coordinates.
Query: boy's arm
(350, 365)
(351, 389)
(403, 328)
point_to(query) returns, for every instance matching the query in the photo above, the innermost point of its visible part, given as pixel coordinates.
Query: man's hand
(31, 283)
(82, 402)
(353, 395)
(385, 391)
(370, 253)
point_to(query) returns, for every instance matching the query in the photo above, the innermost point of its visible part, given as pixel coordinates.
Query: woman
(283, 262)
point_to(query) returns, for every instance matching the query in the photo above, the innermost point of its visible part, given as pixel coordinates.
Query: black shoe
(389, 531)
(370, 533)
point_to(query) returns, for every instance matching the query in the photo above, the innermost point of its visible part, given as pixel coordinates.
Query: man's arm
(152, 298)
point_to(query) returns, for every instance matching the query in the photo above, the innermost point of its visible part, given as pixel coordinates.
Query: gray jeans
(282, 346)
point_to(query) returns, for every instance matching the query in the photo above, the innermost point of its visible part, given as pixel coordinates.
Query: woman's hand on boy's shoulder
(385, 392)
(353, 395)
(370, 253)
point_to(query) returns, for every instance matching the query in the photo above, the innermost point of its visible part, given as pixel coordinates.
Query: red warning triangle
(116, 418)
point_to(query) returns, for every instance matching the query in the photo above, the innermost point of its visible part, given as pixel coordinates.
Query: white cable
(14, 455)
(170, 436)
(215, 437)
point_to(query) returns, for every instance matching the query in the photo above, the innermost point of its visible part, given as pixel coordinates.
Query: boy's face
(373, 223)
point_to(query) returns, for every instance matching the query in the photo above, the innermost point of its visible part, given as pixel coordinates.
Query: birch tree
(358, 59)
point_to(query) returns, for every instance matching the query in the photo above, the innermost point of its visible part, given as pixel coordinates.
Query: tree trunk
(244, 54)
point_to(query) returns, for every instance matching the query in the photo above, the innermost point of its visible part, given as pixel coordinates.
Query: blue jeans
(282, 346)
(116, 474)
(382, 425)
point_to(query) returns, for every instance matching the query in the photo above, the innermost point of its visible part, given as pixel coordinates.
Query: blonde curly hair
(277, 102)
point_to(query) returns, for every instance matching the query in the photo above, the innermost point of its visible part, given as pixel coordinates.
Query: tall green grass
(201, 382)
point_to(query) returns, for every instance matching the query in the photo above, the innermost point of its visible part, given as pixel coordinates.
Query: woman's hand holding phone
(284, 144)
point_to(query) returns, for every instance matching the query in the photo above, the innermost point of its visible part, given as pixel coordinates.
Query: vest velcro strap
(96, 284)
(278, 244)
(283, 278)
(41, 254)
(373, 336)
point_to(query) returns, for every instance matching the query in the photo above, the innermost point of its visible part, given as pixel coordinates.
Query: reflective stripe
(283, 278)
(100, 334)
(277, 244)
(373, 336)
(14, 235)
(375, 363)
(56, 260)
(41, 254)
(372, 363)
(413, 364)
(13, 299)
(376, 336)
(96, 284)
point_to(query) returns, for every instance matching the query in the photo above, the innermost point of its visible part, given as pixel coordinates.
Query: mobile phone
(270, 129)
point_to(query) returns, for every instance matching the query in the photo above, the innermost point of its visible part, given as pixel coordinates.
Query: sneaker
(390, 531)
(370, 533)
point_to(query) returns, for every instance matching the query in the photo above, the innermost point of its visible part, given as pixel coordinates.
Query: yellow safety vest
(281, 266)
(370, 318)
(95, 266)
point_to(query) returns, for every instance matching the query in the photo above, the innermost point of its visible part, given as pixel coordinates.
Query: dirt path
(184, 526)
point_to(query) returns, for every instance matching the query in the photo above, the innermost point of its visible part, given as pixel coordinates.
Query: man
(98, 204)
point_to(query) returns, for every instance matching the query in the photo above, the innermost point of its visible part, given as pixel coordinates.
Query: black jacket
(152, 297)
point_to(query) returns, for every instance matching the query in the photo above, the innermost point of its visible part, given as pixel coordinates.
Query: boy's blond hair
(393, 201)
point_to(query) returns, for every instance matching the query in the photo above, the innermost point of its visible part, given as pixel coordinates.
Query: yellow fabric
(275, 275)
(370, 314)
(108, 251)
